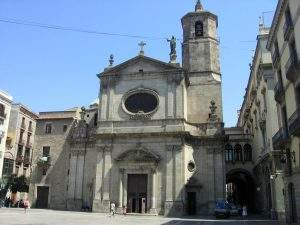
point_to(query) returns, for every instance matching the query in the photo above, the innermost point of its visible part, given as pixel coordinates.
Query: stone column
(178, 180)
(120, 203)
(212, 179)
(106, 178)
(169, 179)
(99, 180)
(125, 179)
(153, 209)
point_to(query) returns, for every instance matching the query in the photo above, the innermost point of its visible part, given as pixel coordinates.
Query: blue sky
(54, 70)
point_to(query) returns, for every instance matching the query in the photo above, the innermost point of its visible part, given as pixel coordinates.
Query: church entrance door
(191, 203)
(137, 193)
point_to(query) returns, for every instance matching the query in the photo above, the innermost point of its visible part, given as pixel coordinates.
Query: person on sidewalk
(26, 204)
(113, 209)
(244, 213)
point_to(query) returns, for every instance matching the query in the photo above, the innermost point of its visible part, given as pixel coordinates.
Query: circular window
(191, 166)
(141, 102)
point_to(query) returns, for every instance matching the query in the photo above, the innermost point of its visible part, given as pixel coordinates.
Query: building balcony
(287, 30)
(19, 159)
(26, 161)
(21, 142)
(275, 58)
(280, 139)
(30, 130)
(23, 126)
(28, 144)
(294, 123)
(2, 115)
(279, 92)
(292, 68)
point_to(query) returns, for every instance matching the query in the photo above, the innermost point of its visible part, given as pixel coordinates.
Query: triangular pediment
(138, 155)
(141, 64)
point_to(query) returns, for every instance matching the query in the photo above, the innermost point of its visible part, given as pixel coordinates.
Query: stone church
(154, 142)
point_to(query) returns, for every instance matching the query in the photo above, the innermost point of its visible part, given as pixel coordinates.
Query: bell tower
(200, 58)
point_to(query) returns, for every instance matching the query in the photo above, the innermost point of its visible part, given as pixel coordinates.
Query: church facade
(153, 144)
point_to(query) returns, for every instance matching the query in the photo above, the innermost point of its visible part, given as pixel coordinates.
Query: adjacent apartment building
(19, 141)
(284, 44)
(5, 106)
(258, 118)
(56, 131)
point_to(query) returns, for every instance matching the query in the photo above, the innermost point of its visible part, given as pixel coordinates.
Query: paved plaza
(47, 217)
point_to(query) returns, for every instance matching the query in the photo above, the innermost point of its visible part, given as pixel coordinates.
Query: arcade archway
(240, 188)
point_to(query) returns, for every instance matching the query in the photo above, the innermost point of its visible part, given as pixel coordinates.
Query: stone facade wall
(57, 172)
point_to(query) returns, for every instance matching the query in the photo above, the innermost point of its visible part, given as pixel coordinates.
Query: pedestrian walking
(124, 210)
(26, 204)
(244, 213)
(112, 209)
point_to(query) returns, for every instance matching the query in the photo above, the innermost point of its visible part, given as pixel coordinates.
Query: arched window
(247, 153)
(238, 153)
(228, 153)
(199, 29)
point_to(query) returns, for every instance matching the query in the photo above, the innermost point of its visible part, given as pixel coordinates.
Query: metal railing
(291, 65)
(294, 123)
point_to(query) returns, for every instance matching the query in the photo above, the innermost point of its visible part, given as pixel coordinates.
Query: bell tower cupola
(200, 41)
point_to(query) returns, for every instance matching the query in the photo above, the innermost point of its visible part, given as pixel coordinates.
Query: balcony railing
(21, 142)
(26, 161)
(292, 68)
(287, 29)
(30, 129)
(2, 115)
(294, 123)
(279, 92)
(280, 139)
(28, 144)
(23, 126)
(19, 159)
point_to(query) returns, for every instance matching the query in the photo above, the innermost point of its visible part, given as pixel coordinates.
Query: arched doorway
(240, 188)
(137, 180)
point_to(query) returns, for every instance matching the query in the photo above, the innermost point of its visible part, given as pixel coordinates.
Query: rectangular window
(28, 139)
(21, 136)
(293, 52)
(288, 16)
(30, 126)
(48, 129)
(27, 153)
(46, 151)
(2, 110)
(65, 128)
(8, 167)
(95, 119)
(20, 150)
(23, 123)
(17, 170)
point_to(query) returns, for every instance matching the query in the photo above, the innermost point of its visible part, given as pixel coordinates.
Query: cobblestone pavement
(50, 217)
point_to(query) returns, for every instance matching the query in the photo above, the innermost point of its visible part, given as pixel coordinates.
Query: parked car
(222, 209)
